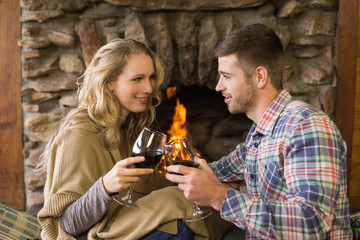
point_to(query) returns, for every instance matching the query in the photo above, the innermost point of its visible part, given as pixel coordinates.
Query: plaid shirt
(294, 166)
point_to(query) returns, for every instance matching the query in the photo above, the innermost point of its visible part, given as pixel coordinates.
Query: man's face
(238, 91)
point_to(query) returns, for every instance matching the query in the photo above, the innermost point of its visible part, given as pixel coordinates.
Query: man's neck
(264, 100)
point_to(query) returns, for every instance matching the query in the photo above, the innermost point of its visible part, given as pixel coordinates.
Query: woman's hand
(121, 176)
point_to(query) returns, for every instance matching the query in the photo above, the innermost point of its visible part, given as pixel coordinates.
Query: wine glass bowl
(150, 144)
(181, 152)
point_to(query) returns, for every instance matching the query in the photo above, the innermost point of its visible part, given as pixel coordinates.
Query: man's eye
(226, 77)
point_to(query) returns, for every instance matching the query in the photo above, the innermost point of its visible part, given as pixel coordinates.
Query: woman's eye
(137, 79)
(152, 77)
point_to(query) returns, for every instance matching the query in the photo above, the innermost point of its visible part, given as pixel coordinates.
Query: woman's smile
(143, 100)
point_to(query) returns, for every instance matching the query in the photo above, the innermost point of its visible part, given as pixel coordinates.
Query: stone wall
(59, 39)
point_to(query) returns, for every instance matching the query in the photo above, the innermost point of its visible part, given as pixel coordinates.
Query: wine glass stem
(197, 209)
(127, 197)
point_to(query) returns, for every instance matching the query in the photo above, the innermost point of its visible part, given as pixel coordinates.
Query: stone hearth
(59, 39)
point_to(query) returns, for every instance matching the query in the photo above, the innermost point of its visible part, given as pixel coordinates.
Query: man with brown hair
(293, 160)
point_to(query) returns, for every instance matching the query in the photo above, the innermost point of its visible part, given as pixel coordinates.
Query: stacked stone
(59, 39)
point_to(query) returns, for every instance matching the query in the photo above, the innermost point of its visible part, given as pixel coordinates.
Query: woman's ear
(110, 85)
(261, 77)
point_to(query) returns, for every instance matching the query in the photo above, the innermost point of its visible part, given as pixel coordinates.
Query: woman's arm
(86, 211)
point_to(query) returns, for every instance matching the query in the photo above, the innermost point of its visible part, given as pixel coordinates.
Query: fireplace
(212, 130)
(60, 38)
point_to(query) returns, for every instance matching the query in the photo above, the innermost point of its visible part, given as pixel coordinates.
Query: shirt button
(252, 176)
(256, 145)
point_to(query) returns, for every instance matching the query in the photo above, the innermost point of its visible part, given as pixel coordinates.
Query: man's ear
(261, 77)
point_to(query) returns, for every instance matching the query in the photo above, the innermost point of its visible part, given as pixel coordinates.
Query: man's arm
(314, 170)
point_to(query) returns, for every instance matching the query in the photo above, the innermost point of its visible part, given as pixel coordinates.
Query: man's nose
(219, 86)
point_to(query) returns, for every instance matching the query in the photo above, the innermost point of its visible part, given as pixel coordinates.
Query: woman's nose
(149, 86)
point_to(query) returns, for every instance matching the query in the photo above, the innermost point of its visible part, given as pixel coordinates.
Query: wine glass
(150, 144)
(180, 151)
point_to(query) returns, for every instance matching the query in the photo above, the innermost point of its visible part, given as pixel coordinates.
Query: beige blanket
(78, 159)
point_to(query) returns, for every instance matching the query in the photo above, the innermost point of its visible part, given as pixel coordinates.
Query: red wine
(152, 159)
(187, 163)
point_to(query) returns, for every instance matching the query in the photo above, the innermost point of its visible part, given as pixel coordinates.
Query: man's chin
(233, 110)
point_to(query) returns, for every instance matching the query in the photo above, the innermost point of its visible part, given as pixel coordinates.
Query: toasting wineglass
(180, 152)
(150, 144)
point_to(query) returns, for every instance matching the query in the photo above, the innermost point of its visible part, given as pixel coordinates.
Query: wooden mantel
(11, 162)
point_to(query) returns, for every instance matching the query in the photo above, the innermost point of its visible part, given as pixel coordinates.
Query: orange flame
(179, 126)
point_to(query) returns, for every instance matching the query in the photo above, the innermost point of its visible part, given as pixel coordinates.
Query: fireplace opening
(212, 130)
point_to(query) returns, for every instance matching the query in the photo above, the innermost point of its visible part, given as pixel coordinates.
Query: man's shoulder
(301, 110)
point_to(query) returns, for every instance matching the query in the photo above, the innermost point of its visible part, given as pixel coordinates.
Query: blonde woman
(88, 159)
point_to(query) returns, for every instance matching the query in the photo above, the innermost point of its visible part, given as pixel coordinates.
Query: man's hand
(199, 185)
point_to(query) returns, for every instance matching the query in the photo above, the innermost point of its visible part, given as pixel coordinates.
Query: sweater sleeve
(81, 215)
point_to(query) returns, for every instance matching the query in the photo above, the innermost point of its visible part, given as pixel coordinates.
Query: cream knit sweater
(78, 159)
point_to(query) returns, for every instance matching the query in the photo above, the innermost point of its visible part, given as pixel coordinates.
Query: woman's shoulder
(84, 130)
(85, 124)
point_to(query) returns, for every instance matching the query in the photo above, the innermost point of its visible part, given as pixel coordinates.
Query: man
(293, 160)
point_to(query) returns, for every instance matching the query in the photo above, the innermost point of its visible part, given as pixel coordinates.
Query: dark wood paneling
(346, 58)
(354, 191)
(11, 163)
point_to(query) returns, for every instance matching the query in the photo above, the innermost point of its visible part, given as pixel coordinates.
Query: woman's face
(135, 84)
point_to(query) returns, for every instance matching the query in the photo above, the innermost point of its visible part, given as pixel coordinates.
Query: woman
(87, 161)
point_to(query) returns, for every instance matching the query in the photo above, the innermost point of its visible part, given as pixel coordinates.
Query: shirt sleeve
(229, 168)
(87, 210)
(314, 168)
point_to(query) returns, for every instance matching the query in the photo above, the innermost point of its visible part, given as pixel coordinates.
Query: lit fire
(179, 126)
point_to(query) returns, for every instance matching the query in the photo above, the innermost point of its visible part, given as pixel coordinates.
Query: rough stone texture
(290, 8)
(41, 42)
(33, 158)
(31, 108)
(316, 71)
(288, 73)
(208, 37)
(59, 38)
(69, 101)
(54, 83)
(33, 53)
(71, 63)
(187, 42)
(329, 102)
(41, 97)
(154, 5)
(318, 23)
(42, 122)
(41, 16)
(90, 42)
(34, 182)
(164, 47)
(103, 11)
(34, 69)
(30, 31)
(134, 29)
(66, 5)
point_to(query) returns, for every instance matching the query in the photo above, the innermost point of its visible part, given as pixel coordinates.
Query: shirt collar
(267, 122)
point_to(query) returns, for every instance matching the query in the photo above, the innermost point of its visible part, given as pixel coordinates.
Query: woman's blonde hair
(98, 103)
